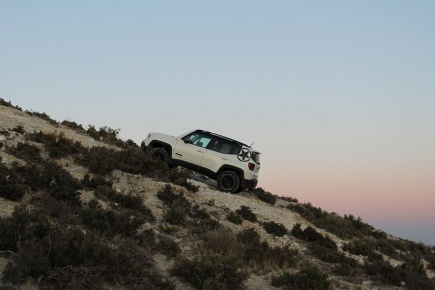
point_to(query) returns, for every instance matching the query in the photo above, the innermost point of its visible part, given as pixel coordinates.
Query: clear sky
(339, 96)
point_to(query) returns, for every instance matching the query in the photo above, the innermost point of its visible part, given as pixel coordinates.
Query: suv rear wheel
(228, 181)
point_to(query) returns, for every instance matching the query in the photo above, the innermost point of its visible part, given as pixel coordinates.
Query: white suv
(232, 164)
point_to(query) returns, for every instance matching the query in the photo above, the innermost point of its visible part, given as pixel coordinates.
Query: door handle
(200, 151)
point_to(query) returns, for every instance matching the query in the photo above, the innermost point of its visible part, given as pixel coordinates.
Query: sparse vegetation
(43, 116)
(234, 218)
(261, 254)
(27, 152)
(345, 227)
(275, 229)
(73, 125)
(246, 213)
(57, 144)
(4, 103)
(19, 129)
(62, 255)
(263, 195)
(309, 277)
(12, 185)
(179, 176)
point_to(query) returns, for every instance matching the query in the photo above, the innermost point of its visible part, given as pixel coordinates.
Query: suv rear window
(256, 157)
(222, 146)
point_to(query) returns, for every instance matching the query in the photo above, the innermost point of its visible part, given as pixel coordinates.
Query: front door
(190, 150)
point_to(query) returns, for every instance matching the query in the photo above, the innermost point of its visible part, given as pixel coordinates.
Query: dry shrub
(12, 185)
(276, 229)
(309, 277)
(27, 152)
(246, 213)
(222, 242)
(56, 143)
(234, 218)
(263, 195)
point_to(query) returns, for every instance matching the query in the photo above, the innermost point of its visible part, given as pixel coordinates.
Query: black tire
(160, 155)
(228, 181)
(239, 190)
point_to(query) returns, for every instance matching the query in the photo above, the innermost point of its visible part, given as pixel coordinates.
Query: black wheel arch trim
(165, 145)
(226, 167)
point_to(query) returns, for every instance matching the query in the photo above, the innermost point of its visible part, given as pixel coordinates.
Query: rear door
(218, 153)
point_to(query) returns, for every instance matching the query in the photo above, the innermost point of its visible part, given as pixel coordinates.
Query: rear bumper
(249, 183)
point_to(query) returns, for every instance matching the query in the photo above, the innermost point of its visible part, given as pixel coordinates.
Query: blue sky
(339, 96)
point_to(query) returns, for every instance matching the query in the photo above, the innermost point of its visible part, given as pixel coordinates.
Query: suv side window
(222, 146)
(198, 139)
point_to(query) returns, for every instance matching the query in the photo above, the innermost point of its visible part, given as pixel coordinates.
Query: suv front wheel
(228, 181)
(159, 154)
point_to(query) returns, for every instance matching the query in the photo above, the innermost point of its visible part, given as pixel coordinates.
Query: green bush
(275, 229)
(222, 242)
(168, 247)
(12, 185)
(179, 176)
(62, 255)
(234, 218)
(4, 103)
(309, 277)
(102, 161)
(107, 135)
(99, 160)
(201, 221)
(19, 129)
(263, 195)
(110, 222)
(73, 125)
(222, 272)
(195, 212)
(344, 227)
(56, 181)
(127, 201)
(309, 234)
(27, 152)
(290, 199)
(43, 116)
(384, 246)
(386, 273)
(360, 247)
(47, 177)
(57, 144)
(261, 254)
(94, 182)
(246, 213)
(329, 255)
(168, 196)
(176, 214)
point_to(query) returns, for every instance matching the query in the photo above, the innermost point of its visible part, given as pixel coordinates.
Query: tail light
(149, 135)
(251, 166)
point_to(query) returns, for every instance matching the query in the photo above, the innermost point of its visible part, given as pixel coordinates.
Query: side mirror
(188, 141)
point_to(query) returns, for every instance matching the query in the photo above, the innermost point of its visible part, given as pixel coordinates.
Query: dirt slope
(218, 204)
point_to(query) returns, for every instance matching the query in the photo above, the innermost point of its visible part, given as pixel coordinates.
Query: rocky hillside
(82, 209)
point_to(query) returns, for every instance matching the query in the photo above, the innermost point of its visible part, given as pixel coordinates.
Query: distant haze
(339, 96)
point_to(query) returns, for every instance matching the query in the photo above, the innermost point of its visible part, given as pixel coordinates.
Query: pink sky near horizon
(386, 199)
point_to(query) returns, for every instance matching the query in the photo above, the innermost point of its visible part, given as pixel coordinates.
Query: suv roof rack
(223, 137)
